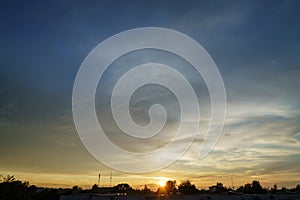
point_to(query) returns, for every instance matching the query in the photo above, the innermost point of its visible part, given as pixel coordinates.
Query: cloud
(253, 43)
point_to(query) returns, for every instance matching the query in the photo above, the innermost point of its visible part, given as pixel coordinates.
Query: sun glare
(162, 182)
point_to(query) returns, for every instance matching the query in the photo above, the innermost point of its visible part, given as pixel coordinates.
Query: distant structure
(110, 178)
(99, 180)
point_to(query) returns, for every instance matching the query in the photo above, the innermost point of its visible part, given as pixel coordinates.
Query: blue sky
(255, 45)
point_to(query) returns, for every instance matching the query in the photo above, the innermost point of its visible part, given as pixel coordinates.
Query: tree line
(12, 189)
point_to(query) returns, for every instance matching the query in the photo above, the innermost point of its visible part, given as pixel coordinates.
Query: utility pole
(99, 180)
(110, 178)
(232, 183)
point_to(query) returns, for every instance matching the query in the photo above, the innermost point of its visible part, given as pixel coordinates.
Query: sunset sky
(255, 45)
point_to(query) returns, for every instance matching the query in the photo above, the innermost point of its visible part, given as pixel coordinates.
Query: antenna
(232, 183)
(99, 180)
(110, 178)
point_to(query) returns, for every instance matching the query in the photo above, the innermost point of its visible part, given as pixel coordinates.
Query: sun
(162, 182)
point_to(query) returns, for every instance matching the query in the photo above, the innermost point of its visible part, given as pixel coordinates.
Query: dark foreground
(185, 197)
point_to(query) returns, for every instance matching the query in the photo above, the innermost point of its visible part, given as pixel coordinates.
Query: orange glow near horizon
(152, 182)
(162, 182)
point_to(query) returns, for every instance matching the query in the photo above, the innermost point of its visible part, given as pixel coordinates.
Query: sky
(255, 45)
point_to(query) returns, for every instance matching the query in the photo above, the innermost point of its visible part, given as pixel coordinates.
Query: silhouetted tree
(94, 188)
(170, 187)
(254, 188)
(257, 188)
(298, 188)
(220, 189)
(123, 187)
(187, 188)
(9, 179)
(11, 189)
(217, 189)
(76, 189)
